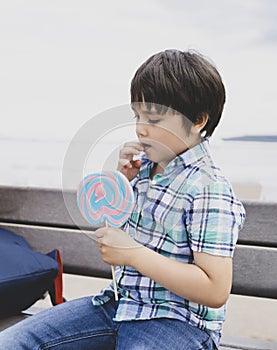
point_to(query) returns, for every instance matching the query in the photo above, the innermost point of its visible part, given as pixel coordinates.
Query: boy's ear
(201, 121)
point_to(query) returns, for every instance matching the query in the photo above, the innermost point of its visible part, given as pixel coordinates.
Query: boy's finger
(98, 235)
(136, 163)
(136, 145)
(124, 163)
(128, 152)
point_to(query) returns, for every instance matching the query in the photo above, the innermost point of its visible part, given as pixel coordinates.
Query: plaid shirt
(190, 207)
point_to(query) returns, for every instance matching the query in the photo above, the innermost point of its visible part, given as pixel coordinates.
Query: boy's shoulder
(207, 178)
(203, 175)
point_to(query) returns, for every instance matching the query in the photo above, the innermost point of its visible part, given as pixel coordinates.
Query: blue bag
(26, 275)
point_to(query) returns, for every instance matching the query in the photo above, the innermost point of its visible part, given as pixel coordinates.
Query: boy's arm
(208, 281)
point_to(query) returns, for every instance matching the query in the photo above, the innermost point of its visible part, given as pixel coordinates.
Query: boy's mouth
(145, 145)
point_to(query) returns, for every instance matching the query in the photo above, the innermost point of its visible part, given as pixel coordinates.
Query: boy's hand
(126, 165)
(116, 246)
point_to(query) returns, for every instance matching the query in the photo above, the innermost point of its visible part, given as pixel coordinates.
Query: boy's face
(163, 136)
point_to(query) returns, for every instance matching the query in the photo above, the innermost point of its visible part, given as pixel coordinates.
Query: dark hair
(184, 81)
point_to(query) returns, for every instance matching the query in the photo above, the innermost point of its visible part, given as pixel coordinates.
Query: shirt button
(153, 182)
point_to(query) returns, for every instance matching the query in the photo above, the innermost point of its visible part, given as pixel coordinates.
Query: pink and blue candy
(105, 197)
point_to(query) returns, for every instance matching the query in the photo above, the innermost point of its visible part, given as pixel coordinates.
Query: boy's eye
(153, 121)
(150, 121)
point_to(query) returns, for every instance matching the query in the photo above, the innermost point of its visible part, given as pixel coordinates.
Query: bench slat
(81, 256)
(37, 206)
(46, 206)
(260, 225)
(255, 271)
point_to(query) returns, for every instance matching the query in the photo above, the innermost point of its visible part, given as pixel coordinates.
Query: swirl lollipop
(106, 197)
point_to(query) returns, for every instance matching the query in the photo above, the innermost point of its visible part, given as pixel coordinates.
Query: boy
(174, 282)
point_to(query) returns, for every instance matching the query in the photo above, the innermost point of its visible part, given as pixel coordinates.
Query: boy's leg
(76, 324)
(162, 334)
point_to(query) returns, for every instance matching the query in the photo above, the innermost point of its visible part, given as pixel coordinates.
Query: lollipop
(106, 197)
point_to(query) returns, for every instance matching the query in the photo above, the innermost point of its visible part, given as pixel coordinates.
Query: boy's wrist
(143, 259)
(137, 255)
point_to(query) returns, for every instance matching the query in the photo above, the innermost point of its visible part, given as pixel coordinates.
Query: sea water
(250, 166)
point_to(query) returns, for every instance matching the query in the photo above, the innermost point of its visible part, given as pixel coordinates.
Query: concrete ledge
(231, 343)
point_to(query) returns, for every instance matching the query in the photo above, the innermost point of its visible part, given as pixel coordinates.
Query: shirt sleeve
(214, 220)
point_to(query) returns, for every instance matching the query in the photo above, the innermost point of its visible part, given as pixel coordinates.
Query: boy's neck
(157, 169)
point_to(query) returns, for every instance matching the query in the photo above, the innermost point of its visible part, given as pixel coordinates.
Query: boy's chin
(158, 159)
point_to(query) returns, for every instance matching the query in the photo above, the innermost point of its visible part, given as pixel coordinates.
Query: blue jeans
(78, 324)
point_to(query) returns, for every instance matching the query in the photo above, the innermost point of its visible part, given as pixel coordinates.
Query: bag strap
(56, 290)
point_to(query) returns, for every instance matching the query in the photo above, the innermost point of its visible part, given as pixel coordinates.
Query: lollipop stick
(113, 275)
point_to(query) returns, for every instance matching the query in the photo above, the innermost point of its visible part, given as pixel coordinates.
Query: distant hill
(252, 138)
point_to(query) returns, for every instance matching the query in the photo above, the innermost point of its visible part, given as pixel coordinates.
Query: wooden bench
(41, 216)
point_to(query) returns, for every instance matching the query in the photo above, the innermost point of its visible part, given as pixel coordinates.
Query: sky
(63, 61)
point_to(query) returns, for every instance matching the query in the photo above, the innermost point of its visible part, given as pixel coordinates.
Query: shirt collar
(188, 157)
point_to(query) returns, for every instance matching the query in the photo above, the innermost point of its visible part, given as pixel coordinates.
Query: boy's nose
(141, 129)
